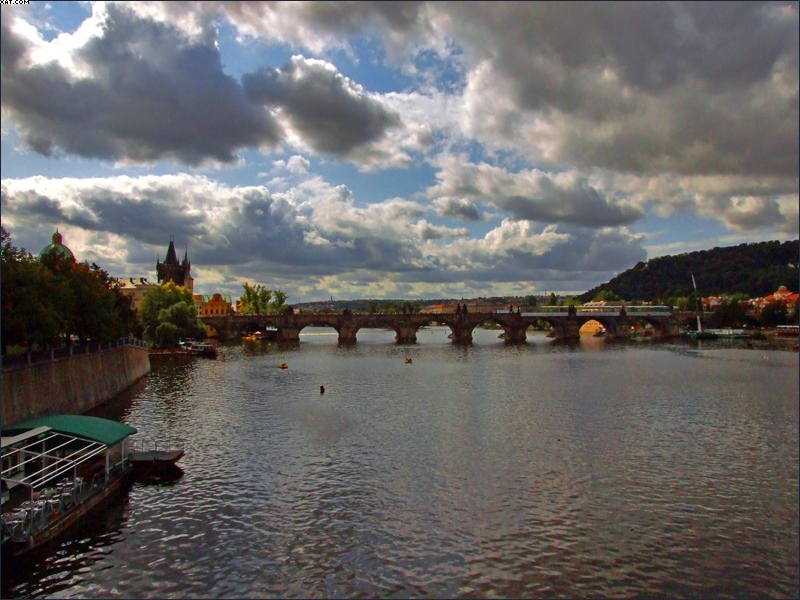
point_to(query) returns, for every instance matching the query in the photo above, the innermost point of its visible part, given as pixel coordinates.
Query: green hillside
(752, 269)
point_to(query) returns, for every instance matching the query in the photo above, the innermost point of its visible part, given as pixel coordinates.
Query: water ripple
(475, 472)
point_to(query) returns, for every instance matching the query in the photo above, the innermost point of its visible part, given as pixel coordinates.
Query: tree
(55, 297)
(606, 296)
(530, 301)
(30, 311)
(278, 303)
(169, 314)
(258, 300)
(729, 314)
(255, 300)
(553, 299)
(773, 314)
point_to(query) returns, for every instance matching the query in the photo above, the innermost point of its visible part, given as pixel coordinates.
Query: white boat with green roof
(55, 470)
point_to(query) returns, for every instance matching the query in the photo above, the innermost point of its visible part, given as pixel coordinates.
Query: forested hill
(753, 269)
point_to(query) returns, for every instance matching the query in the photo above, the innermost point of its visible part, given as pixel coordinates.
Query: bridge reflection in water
(565, 324)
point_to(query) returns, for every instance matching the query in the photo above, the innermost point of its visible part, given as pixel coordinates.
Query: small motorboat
(283, 365)
(199, 348)
(408, 360)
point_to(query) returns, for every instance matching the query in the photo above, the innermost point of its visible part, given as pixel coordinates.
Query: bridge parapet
(565, 323)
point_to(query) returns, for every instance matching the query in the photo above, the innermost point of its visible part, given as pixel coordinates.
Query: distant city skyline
(398, 150)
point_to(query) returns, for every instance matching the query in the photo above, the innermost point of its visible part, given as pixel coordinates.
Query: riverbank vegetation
(258, 300)
(168, 315)
(54, 300)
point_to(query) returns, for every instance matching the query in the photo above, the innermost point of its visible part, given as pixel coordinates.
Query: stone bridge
(565, 324)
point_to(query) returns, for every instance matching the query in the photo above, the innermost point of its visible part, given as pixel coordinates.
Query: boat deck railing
(157, 445)
(51, 503)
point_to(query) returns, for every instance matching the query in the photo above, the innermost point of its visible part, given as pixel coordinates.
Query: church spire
(172, 256)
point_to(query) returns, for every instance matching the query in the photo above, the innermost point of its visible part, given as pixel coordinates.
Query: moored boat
(57, 469)
(787, 330)
(154, 461)
(199, 348)
(727, 333)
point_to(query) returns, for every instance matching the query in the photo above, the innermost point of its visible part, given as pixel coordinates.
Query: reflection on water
(537, 470)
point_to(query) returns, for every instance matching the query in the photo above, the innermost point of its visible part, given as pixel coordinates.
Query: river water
(542, 470)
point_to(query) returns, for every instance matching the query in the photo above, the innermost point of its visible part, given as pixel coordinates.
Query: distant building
(57, 247)
(172, 270)
(135, 288)
(215, 305)
(712, 302)
(782, 295)
(438, 309)
(603, 304)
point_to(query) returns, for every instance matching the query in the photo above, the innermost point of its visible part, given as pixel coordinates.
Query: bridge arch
(564, 324)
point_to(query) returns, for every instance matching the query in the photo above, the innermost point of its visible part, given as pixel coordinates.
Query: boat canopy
(96, 429)
(10, 440)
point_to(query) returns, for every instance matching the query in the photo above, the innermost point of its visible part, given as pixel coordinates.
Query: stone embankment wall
(72, 384)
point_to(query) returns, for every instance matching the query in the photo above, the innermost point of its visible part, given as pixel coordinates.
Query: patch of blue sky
(242, 55)
(367, 188)
(19, 162)
(680, 232)
(370, 70)
(54, 18)
(442, 72)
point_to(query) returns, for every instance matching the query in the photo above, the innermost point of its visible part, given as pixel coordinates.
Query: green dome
(58, 247)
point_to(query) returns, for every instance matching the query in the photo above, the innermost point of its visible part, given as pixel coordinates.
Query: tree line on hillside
(754, 270)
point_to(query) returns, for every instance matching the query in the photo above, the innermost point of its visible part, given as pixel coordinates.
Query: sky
(404, 150)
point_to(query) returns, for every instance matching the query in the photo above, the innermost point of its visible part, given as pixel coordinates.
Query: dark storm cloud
(331, 113)
(31, 205)
(546, 47)
(352, 16)
(647, 87)
(458, 208)
(144, 216)
(578, 204)
(531, 195)
(586, 256)
(150, 95)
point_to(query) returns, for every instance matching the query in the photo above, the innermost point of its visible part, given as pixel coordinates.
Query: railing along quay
(54, 354)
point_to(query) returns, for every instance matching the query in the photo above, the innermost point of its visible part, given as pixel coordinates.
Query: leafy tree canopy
(258, 300)
(168, 314)
(49, 300)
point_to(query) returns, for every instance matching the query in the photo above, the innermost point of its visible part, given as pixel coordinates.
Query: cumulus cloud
(531, 194)
(740, 202)
(460, 208)
(681, 87)
(331, 113)
(308, 232)
(146, 94)
(316, 26)
(544, 131)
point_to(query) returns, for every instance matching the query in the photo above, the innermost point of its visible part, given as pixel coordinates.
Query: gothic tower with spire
(173, 270)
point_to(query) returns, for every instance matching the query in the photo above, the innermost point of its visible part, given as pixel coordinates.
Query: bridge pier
(620, 329)
(347, 334)
(462, 333)
(288, 334)
(406, 334)
(515, 334)
(567, 330)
